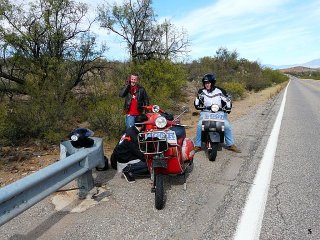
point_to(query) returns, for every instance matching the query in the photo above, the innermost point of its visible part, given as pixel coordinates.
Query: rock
(5, 150)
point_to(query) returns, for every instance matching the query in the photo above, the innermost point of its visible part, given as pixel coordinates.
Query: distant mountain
(312, 64)
(299, 70)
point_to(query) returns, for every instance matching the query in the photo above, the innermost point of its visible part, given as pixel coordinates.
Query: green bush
(163, 81)
(43, 118)
(306, 75)
(257, 84)
(104, 106)
(235, 89)
(4, 125)
(107, 115)
(54, 137)
(274, 76)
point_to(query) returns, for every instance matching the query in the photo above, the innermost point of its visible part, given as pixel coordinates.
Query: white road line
(249, 225)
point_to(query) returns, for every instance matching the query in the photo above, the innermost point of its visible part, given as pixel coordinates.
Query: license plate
(169, 136)
(219, 116)
(156, 135)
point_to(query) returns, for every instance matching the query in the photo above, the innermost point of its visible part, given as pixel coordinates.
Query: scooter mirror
(185, 109)
(155, 108)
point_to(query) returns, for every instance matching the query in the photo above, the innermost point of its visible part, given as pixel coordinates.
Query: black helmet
(80, 137)
(209, 77)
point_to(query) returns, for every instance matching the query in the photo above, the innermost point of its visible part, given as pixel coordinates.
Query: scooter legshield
(214, 130)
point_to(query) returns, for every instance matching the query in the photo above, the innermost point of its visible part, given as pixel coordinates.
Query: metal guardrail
(74, 163)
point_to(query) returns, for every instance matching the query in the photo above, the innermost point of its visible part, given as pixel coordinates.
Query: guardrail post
(85, 184)
(85, 181)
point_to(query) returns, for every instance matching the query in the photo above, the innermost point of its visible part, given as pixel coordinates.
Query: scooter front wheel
(159, 191)
(212, 153)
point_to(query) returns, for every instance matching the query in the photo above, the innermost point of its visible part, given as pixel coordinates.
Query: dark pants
(139, 168)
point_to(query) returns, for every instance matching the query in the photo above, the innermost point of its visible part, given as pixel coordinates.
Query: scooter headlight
(161, 122)
(155, 108)
(214, 108)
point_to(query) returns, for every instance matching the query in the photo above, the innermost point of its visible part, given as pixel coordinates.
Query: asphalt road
(216, 191)
(293, 206)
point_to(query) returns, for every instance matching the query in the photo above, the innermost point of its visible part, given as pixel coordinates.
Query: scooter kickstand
(185, 182)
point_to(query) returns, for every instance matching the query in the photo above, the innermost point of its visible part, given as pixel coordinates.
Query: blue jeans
(227, 131)
(130, 120)
(137, 168)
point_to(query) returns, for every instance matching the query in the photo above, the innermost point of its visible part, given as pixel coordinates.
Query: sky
(277, 32)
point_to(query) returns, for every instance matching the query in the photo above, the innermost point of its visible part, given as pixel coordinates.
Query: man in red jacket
(135, 98)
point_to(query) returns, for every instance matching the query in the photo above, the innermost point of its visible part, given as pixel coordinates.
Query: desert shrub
(235, 89)
(38, 117)
(307, 75)
(274, 76)
(163, 81)
(104, 106)
(256, 82)
(4, 125)
(54, 137)
(107, 115)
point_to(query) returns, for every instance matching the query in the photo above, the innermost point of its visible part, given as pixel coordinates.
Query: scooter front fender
(214, 136)
(159, 162)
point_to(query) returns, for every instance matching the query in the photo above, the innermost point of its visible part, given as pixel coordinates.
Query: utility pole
(166, 24)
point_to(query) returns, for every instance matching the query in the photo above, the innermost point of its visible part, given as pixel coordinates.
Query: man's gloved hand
(228, 102)
(201, 98)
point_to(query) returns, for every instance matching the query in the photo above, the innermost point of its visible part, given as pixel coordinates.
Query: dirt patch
(19, 162)
(69, 200)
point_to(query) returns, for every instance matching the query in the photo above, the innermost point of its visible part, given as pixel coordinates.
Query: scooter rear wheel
(159, 192)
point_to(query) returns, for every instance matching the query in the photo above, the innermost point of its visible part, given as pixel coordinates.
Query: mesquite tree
(135, 22)
(46, 50)
(45, 44)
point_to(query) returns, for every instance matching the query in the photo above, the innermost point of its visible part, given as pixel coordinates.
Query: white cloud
(258, 30)
(224, 11)
(255, 29)
(275, 31)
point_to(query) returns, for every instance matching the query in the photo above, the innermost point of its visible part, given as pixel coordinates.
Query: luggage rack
(153, 142)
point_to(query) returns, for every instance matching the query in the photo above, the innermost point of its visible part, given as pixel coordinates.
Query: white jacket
(217, 96)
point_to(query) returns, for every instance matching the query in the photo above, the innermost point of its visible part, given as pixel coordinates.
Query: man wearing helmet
(135, 98)
(208, 95)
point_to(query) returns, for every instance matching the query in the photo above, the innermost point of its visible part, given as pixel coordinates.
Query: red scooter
(167, 149)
